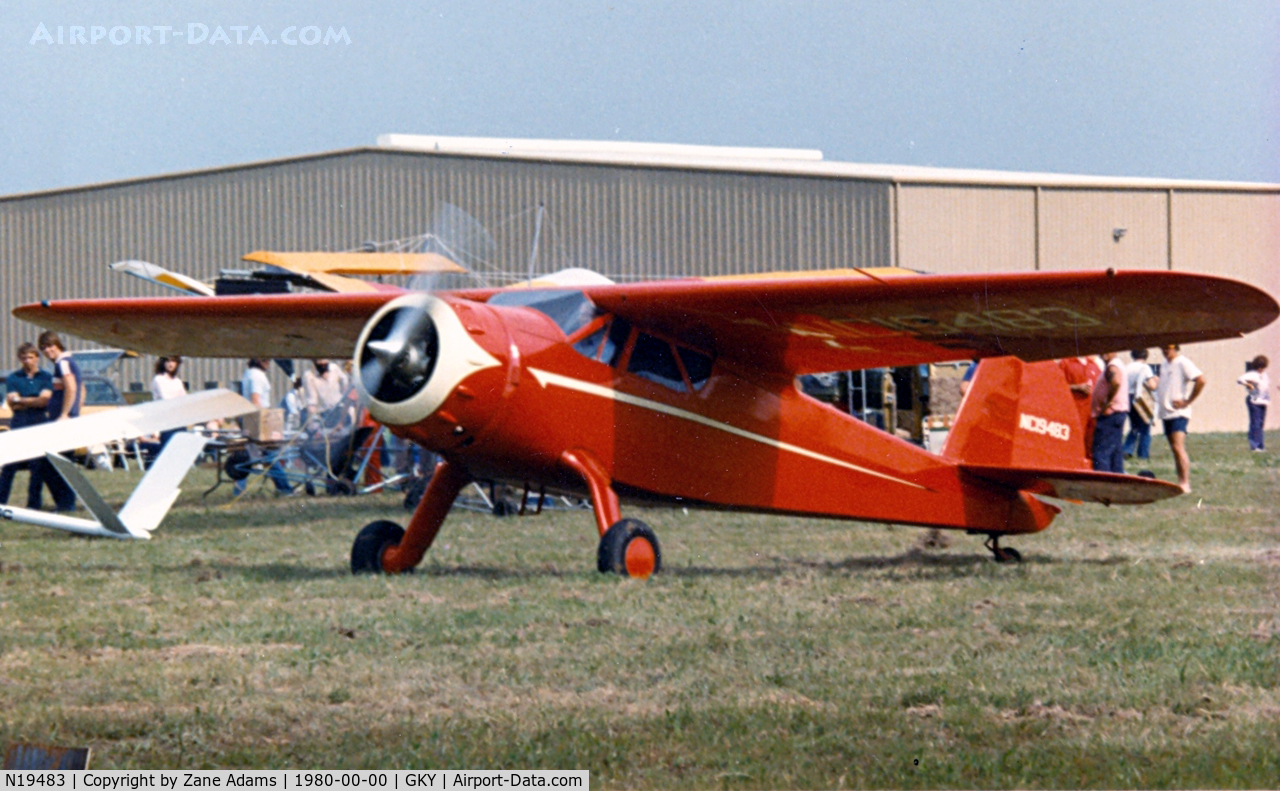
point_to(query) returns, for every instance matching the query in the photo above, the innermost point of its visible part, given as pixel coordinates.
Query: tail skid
(143, 512)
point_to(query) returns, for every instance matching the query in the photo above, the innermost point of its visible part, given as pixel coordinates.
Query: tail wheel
(1002, 554)
(629, 548)
(373, 538)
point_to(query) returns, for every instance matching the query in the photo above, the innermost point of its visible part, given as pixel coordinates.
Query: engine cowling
(412, 355)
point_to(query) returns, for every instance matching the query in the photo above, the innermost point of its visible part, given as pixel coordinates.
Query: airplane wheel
(366, 552)
(237, 465)
(629, 548)
(1008, 555)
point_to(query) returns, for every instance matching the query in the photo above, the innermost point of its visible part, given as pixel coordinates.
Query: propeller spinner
(399, 354)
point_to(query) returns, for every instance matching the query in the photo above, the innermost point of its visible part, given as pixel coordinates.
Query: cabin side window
(653, 359)
(603, 339)
(696, 364)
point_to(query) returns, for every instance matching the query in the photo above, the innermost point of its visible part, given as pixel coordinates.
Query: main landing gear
(1002, 554)
(628, 547)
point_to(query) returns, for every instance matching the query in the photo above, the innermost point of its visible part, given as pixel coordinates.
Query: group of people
(1113, 393)
(312, 395)
(38, 396)
(1110, 394)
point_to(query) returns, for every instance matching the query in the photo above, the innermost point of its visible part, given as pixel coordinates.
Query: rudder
(1018, 415)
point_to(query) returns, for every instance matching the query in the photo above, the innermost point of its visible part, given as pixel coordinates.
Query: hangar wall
(635, 220)
(1233, 233)
(627, 222)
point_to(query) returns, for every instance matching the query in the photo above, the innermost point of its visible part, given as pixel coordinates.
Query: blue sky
(1165, 89)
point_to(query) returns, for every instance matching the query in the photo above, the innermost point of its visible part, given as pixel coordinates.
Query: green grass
(1134, 647)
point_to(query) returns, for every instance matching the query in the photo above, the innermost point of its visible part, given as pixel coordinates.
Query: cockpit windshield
(570, 310)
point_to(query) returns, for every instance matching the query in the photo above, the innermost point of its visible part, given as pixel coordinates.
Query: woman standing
(1258, 384)
(165, 385)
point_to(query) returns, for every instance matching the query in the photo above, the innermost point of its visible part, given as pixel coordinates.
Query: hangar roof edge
(791, 162)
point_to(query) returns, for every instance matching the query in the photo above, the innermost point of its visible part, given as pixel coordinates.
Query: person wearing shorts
(1181, 383)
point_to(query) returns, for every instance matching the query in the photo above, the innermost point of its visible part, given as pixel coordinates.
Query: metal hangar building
(641, 211)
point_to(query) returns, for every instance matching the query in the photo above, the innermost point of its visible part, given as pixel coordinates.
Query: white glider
(157, 490)
(130, 422)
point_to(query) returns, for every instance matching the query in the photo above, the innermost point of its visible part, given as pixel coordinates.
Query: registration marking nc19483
(1043, 426)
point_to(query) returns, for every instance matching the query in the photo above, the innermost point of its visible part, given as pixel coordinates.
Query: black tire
(237, 465)
(1008, 555)
(612, 554)
(366, 551)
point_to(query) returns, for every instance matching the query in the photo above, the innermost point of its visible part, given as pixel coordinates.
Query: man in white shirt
(255, 385)
(1181, 382)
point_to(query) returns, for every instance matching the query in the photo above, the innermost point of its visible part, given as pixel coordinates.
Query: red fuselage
(740, 439)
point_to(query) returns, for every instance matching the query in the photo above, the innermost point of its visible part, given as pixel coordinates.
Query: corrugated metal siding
(1077, 229)
(626, 222)
(629, 223)
(966, 229)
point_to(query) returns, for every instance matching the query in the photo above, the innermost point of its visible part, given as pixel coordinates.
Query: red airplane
(683, 392)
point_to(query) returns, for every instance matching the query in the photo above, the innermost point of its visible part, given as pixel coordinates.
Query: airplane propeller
(399, 355)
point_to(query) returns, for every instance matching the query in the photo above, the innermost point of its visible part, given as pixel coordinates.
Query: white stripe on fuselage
(546, 377)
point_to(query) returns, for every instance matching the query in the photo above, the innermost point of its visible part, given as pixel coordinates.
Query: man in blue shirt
(28, 390)
(68, 386)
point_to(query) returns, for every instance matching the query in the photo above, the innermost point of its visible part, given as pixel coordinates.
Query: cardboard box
(265, 424)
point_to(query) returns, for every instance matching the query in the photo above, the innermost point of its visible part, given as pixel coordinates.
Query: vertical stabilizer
(1018, 415)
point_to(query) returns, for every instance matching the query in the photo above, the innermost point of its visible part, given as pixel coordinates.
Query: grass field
(1134, 647)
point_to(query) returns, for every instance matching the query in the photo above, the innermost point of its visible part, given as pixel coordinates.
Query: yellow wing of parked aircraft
(328, 270)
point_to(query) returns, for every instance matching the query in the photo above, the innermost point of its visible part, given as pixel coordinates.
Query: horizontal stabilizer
(89, 495)
(1107, 488)
(123, 423)
(147, 506)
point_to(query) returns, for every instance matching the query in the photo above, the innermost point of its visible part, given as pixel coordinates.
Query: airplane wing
(787, 322)
(259, 325)
(850, 319)
(355, 263)
(123, 423)
(328, 270)
(154, 273)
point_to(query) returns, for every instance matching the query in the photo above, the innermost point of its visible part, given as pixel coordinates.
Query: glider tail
(149, 502)
(1018, 426)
